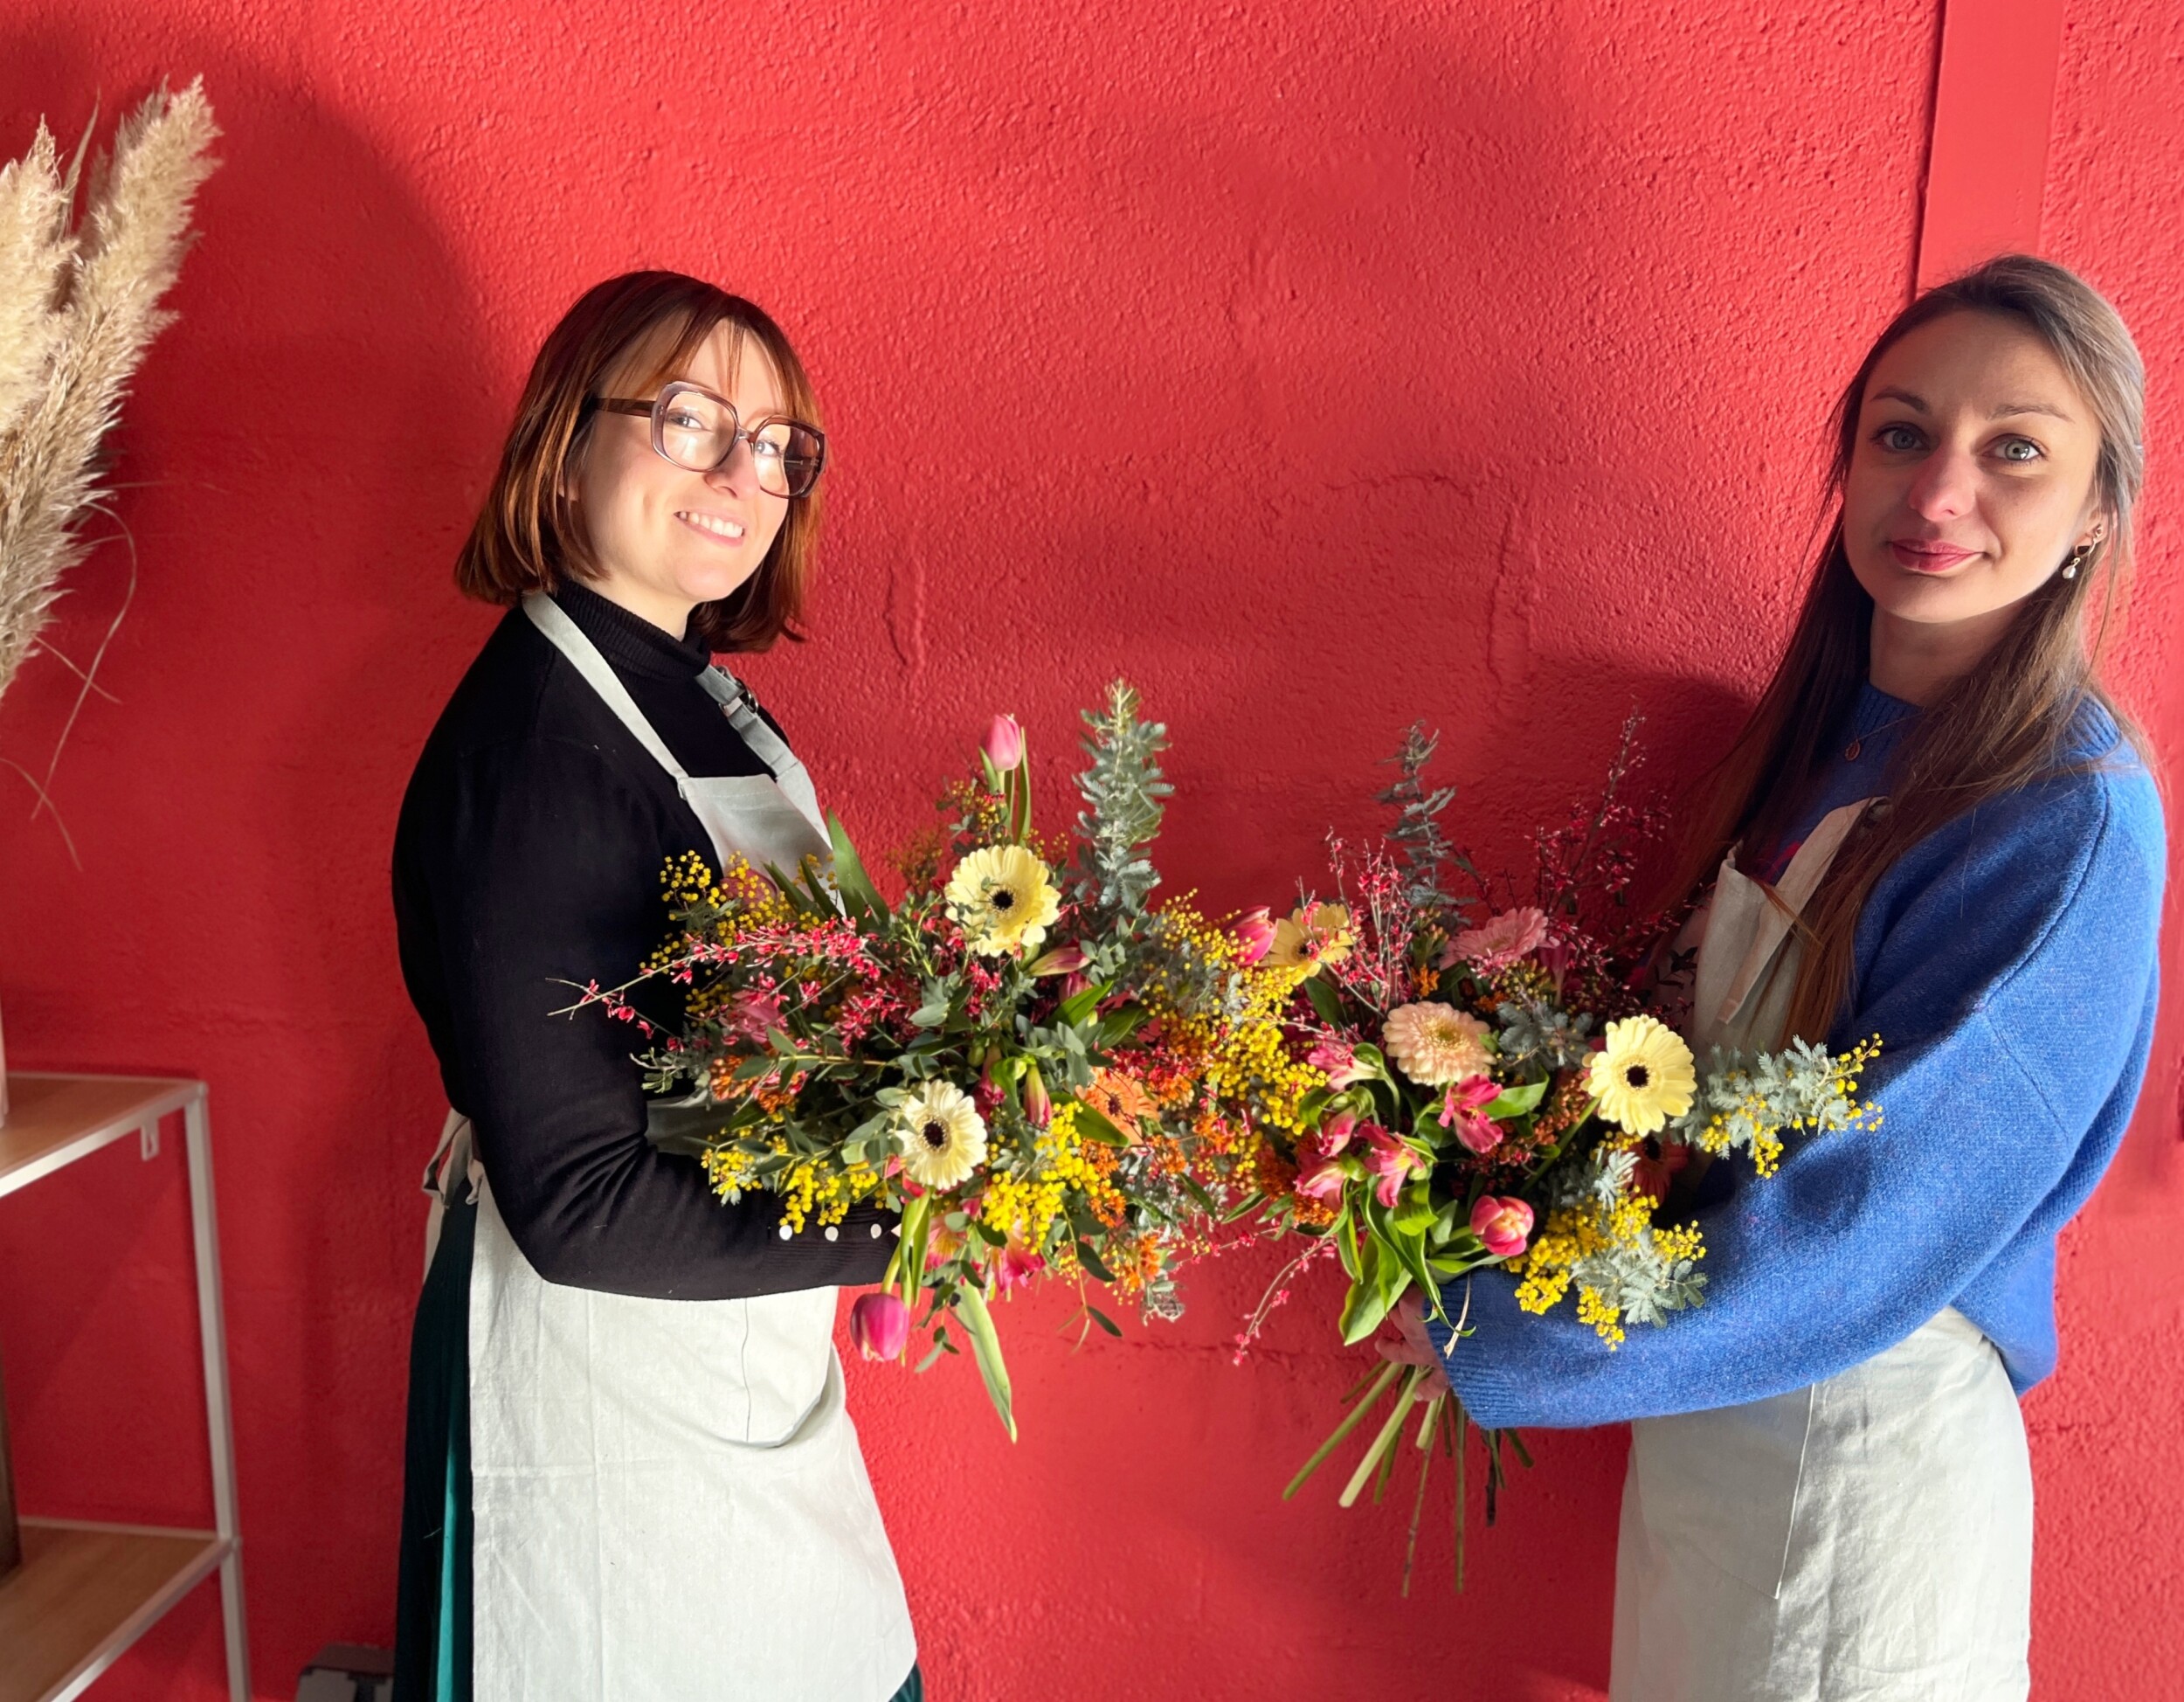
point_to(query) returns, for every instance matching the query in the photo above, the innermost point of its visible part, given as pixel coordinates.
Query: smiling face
(1972, 481)
(664, 539)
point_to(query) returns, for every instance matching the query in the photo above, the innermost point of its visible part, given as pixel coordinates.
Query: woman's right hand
(1413, 1346)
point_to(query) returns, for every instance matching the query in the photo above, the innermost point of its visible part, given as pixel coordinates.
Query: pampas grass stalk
(79, 306)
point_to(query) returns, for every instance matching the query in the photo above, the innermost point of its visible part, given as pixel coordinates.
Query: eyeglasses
(695, 429)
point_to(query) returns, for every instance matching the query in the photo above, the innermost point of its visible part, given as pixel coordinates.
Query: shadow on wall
(304, 449)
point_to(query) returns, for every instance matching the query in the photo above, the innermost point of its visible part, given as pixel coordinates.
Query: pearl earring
(2076, 559)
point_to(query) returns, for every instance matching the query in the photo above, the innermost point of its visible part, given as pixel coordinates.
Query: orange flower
(773, 1098)
(1317, 934)
(1122, 1100)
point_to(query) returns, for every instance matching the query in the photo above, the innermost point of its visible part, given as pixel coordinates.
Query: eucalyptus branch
(1417, 835)
(1122, 791)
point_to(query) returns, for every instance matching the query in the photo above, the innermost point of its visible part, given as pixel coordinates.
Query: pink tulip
(1460, 1111)
(1254, 933)
(1504, 1225)
(879, 1324)
(1004, 743)
(1062, 960)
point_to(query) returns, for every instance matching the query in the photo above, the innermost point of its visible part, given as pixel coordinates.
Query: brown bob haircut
(633, 333)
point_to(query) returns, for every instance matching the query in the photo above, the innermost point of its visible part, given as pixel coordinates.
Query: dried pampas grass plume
(78, 309)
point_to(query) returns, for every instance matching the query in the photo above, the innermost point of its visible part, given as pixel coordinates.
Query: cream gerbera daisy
(1002, 899)
(942, 1136)
(1435, 1044)
(1644, 1077)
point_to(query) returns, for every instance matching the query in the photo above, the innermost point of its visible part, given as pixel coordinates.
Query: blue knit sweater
(2007, 962)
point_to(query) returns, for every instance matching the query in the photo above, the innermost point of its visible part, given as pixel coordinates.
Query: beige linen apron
(1866, 1539)
(668, 1497)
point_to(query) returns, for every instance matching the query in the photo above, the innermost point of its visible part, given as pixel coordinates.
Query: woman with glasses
(629, 1471)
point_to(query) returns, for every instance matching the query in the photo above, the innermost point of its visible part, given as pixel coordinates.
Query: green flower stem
(1459, 1430)
(1387, 1374)
(1425, 1475)
(1385, 1440)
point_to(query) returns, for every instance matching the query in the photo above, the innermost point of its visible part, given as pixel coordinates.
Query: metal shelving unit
(85, 1591)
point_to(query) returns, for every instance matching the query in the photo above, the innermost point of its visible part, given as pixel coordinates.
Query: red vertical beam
(1987, 159)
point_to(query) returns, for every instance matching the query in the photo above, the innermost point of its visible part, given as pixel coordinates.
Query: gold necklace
(1858, 741)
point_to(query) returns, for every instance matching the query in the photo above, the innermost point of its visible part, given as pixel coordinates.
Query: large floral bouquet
(1000, 1055)
(1444, 1094)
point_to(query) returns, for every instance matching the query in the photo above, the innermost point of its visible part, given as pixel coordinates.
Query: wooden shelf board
(55, 1120)
(83, 1593)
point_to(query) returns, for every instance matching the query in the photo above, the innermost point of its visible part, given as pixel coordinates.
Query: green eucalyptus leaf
(941, 1345)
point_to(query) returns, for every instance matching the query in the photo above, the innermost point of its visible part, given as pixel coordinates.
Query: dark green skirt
(433, 1607)
(432, 1620)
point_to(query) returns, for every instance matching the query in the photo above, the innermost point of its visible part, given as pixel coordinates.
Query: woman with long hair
(1829, 1495)
(629, 1472)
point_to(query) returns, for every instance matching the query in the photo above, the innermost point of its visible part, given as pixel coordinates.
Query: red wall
(1321, 366)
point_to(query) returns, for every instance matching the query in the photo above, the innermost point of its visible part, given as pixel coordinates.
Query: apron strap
(583, 655)
(1799, 882)
(734, 697)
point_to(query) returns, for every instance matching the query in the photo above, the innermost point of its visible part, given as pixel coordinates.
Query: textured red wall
(1320, 366)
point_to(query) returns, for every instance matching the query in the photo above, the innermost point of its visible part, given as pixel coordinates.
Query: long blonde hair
(2001, 726)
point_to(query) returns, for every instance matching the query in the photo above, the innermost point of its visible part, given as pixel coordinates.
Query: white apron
(1866, 1539)
(668, 1497)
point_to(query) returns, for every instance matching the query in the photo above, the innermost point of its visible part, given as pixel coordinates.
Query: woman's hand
(1415, 1346)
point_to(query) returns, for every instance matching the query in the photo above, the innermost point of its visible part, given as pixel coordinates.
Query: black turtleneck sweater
(528, 857)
